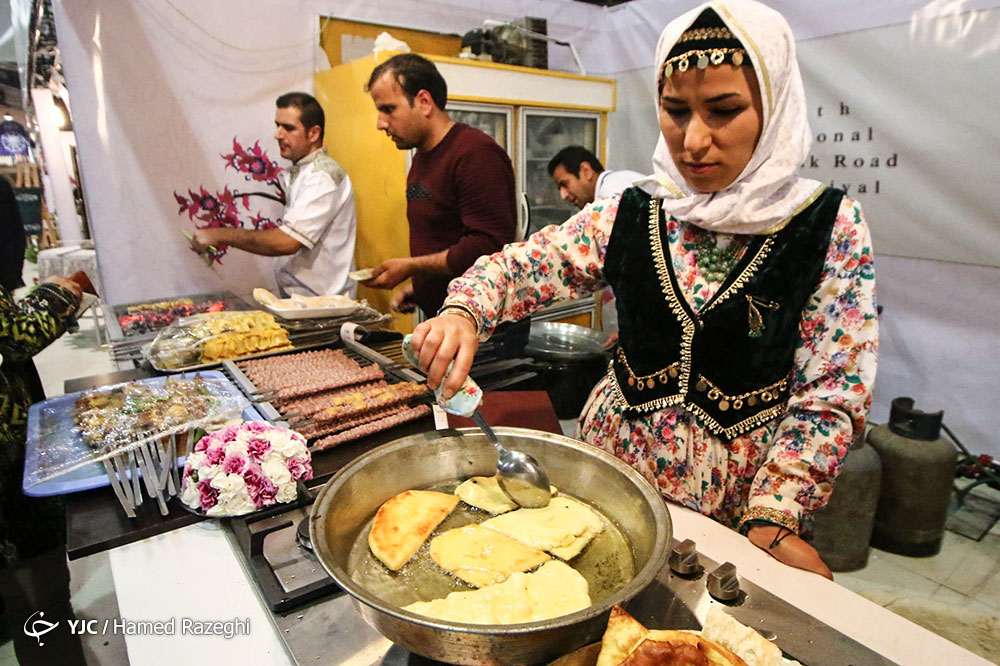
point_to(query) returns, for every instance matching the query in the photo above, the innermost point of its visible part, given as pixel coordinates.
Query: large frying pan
(343, 511)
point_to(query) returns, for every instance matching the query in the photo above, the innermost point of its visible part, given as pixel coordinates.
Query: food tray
(393, 374)
(92, 475)
(314, 313)
(114, 330)
(217, 364)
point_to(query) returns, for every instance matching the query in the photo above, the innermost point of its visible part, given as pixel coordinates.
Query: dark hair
(310, 112)
(413, 73)
(571, 157)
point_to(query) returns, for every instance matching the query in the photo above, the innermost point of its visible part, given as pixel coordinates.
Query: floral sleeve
(555, 264)
(29, 325)
(834, 370)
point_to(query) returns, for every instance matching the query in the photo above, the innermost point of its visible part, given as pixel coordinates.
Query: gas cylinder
(843, 528)
(918, 470)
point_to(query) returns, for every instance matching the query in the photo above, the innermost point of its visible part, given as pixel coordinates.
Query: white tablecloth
(68, 259)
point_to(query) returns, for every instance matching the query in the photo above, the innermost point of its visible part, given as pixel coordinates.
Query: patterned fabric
(322, 162)
(783, 470)
(27, 526)
(729, 364)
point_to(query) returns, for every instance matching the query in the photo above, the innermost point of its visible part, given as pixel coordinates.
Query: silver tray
(564, 342)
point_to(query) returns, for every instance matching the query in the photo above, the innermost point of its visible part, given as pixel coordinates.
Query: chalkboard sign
(29, 204)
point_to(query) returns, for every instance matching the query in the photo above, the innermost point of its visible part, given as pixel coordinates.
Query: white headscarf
(768, 192)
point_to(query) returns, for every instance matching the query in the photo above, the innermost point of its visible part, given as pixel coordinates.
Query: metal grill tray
(114, 330)
(365, 358)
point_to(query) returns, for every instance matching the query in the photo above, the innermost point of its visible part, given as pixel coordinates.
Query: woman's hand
(441, 340)
(788, 547)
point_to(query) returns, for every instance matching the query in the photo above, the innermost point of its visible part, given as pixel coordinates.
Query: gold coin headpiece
(706, 43)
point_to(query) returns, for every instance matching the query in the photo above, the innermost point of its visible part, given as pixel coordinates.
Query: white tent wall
(938, 344)
(58, 166)
(160, 89)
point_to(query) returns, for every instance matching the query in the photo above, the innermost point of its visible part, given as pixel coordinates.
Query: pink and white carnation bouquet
(243, 468)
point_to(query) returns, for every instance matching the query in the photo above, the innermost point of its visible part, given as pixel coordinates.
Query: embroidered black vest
(730, 363)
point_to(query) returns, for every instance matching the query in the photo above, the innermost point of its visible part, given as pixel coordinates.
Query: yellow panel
(333, 30)
(582, 319)
(377, 170)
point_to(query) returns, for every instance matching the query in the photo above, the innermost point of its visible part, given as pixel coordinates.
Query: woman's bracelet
(779, 535)
(462, 311)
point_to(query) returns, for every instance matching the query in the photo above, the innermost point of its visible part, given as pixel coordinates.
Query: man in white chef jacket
(320, 224)
(581, 178)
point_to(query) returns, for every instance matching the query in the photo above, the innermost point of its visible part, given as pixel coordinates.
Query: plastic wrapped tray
(206, 339)
(57, 459)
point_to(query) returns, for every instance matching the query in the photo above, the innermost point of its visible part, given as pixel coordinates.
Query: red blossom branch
(222, 209)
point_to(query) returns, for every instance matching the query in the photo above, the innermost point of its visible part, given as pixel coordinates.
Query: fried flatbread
(729, 632)
(484, 492)
(624, 633)
(563, 528)
(627, 642)
(265, 297)
(481, 556)
(555, 589)
(404, 522)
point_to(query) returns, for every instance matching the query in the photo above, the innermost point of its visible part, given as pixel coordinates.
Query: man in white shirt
(320, 224)
(581, 178)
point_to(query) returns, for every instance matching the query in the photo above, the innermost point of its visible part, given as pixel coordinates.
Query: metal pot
(569, 361)
(345, 506)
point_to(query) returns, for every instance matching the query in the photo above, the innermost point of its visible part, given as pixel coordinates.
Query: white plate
(313, 313)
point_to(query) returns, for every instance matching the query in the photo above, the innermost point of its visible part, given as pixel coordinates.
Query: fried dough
(481, 556)
(555, 589)
(484, 492)
(404, 522)
(563, 528)
(627, 642)
(741, 639)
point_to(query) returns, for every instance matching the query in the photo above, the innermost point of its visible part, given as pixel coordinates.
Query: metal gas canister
(918, 470)
(842, 529)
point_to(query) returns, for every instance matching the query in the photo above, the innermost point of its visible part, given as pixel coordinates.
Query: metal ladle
(520, 475)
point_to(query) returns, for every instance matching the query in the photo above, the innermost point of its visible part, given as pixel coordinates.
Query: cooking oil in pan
(607, 562)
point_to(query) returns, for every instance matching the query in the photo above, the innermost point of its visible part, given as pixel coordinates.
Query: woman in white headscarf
(748, 331)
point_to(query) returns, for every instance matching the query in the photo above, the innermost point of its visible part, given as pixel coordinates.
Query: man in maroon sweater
(459, 192)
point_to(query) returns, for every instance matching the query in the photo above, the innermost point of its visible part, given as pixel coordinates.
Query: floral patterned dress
(782, 471)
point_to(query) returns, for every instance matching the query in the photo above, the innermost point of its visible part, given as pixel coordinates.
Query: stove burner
(302, 535)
